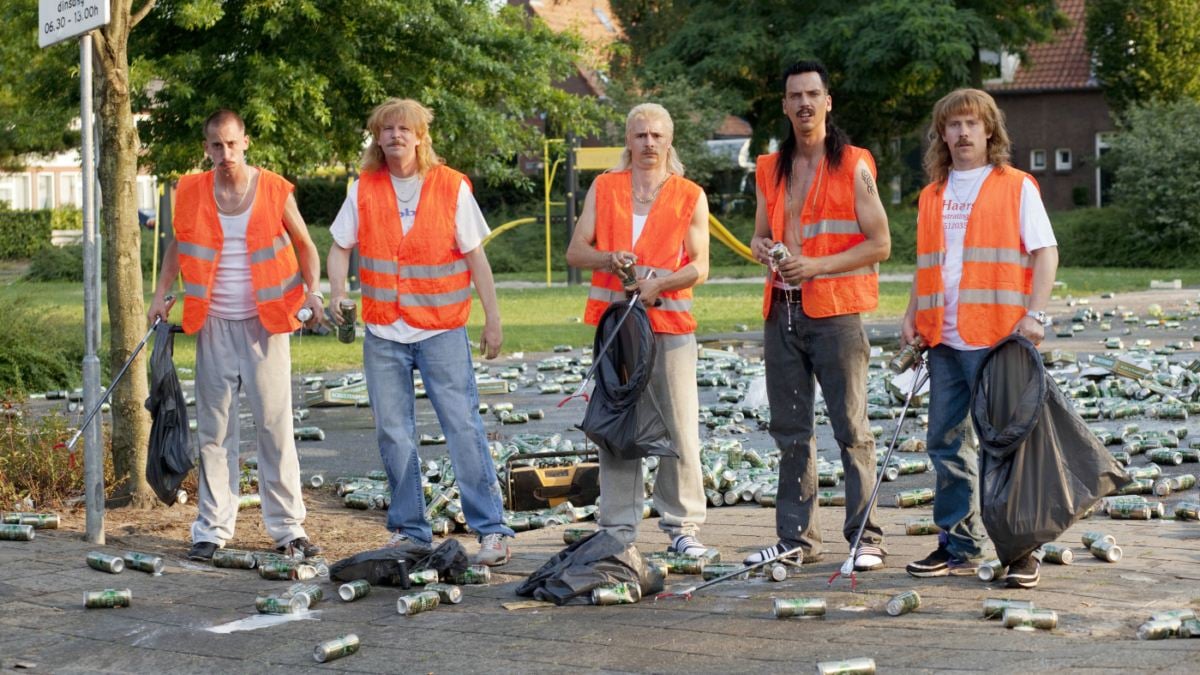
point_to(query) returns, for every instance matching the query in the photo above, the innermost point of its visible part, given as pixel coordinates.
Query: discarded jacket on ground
(1040, 466)
(597, 560)
(169, 458)
(622, 415)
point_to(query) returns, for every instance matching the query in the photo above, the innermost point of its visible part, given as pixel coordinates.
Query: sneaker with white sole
(686, 544)
(406, 543)
(493, 550)
(868, 557)
(1024, 573)
(771, 552)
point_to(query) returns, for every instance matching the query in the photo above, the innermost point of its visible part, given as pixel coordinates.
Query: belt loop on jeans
(792, 297)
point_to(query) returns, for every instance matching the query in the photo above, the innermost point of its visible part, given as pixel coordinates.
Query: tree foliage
(889, 59)
(1155, 176)
(28, 74)
(306, 73)
(1145, 49)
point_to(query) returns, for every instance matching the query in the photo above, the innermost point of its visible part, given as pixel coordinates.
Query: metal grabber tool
(686, 593)
(920, 374)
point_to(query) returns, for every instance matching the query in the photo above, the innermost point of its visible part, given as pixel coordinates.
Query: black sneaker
(1024, 573)
(202, 550)
(300, 547)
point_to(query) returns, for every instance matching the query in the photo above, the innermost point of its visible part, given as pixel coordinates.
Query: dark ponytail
(836, 140)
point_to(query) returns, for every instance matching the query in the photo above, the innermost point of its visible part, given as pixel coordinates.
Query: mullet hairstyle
(650, 111)
(965, 102)
(836, 140)
(412, 115)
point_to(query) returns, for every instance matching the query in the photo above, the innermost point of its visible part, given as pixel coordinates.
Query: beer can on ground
(831, 498)
(1189, 628)
(616, 594)
(1173, 615)
(309, 433)
(917, 497)
(990, 570)
(105, 563)
(920, 526)
(16, 532)
(777, 572)
(336, 648)
(448, 593)
(802, 607)
(304, 596)
(316, 480)
(1090, 538)
(993, 608)
(144, 562)
(1044, 619)
(273, 604)
(349, 312)
(1184, 481)
(415, 603)
(422, 577)
(574, 534)
(39, 521)
(234, 559)
(107, 598)
(1057, 554)
(858, 666)
(1187, 511)
(283, 569)
(1158, 630)
(1130, 511)
(903, 603)
(353, 590)
(1106, 551)
(721, 569)
(474, 574)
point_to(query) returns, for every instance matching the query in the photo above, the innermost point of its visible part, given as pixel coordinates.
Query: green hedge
(320, 198)
(23, 233)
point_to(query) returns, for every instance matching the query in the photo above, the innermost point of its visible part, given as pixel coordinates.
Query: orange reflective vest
(997, 276)
(829, 225)
(274, 271)
(660, 248)
(420, 276)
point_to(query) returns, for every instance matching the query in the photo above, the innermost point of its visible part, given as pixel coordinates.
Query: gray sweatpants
(800, 353)
(678, 484)
(230, 356)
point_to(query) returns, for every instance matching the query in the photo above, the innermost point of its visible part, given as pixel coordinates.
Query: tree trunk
(122, 253)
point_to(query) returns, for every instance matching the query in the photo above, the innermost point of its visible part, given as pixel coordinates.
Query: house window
(14, 189)
(45, 193)
(1037, 160)
(1062, 159)
(70, 189)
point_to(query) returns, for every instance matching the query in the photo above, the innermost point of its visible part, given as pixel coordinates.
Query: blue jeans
(445, 364)
(956, 500)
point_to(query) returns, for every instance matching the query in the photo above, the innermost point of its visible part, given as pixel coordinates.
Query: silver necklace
(411, 195)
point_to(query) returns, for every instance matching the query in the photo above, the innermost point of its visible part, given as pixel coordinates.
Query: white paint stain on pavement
(263, 621)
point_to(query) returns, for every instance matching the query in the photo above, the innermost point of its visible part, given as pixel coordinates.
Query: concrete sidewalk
(728, 628)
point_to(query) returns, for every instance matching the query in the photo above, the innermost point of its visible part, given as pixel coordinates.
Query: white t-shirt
(958, 199)
(470, 230)
(233, 291)
(639, 225)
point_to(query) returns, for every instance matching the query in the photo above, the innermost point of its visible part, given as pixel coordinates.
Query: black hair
(836, 140)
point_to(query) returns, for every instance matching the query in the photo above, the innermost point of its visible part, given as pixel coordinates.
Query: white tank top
(233, 292)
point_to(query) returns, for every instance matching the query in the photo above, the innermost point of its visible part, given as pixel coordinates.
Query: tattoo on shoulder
(866, 175)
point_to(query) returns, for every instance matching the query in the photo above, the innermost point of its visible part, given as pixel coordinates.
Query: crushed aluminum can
(909, 498)
(1057, 554)
(1090, 538)
(799, 607)
(990, 570)
(231, 558)
(617, 594)
(993, 608)
(907, 356)
(1042, 619)
(903, 603)
(1158, 630)
(448, 593)
(10, 532)
(336, 648)
(856, 666)
(113, 564)
(144, 562)
(1106, 551)
(415, 603)
(354, 590)
(107, 599)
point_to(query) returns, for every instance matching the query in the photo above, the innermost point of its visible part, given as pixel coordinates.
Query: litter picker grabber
(920, 374)
(686, 593)
(108, 392)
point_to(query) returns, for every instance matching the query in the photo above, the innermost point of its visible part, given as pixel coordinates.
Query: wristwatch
(319, 295)
(1039, 317)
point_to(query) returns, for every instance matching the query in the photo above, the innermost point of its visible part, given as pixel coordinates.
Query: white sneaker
(493, 550)
(686, 544)
(771, 552)
(868, 557)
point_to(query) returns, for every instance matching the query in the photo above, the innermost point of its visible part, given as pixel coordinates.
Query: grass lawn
(537, 318)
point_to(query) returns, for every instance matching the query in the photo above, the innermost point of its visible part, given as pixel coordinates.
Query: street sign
(59, 20)
(593, 159)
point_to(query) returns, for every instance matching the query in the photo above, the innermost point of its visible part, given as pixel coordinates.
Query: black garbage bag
(169, 458)
(387, 566)
(596, 560)
(449, 559)
(622, 415)
(1041, 467)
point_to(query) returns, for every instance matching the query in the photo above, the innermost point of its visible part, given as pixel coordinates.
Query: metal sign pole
(93, 449)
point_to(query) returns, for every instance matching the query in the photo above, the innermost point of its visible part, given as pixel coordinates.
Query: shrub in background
(36, 352)
(320, 198)
(57, 263)
(35, 464)
(23, 233)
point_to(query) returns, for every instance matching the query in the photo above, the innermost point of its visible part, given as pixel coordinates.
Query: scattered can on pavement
(353, 590)
(107, 599)
(144, 562)
(909, 498)
(474, 574)
(231, 558)
(858, 666)
(336, 648)
(993, 608)
(422, 577)
(800, 607)
(104, 562)
(16, 532)
(1057, 554)
(990, 570)
(903, 603)
(616, 594)
(415, 603)
(448, 593)
(1042, 619)
(1158, 630)
(1090, 538)
(1106, 551)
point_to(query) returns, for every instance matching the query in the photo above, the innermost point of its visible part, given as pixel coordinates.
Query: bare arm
(160, 306)
(1045, 267)
(872, 220)
(306, 253)
(582, 251)
(695, 244)
(485, 286)
(337, 266)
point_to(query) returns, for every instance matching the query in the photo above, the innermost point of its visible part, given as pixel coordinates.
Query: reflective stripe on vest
(197, 251)
(379, 265)
(277, 292)
(828, 225)
(268, 252)
(609, 296)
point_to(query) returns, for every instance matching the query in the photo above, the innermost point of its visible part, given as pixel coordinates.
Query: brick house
(1057, 116)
